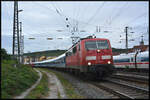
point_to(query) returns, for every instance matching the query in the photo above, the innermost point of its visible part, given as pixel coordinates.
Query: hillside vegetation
(119, 50)
(59, 52)
(15, 80)
(46, 53)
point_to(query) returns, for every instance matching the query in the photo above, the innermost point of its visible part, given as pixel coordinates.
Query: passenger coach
(132, 60)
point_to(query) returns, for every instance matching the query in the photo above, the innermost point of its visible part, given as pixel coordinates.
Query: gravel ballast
(83, 88)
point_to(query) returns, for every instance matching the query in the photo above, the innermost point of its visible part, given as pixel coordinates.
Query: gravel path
(32, 87)
(55, 87)
(85, 89)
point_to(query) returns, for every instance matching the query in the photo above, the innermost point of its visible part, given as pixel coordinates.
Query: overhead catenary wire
(56, 11)
(109, 17)
(76, 26)
(98, 10)
(60, 13)
(81, 21)
(86, 23)
(134, 19)
(83, 13)
(119, 13)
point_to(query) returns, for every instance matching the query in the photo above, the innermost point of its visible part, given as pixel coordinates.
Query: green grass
(41, 89)
(70, 92)
(14, 81)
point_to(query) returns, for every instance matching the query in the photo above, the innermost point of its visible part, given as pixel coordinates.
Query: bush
(16, 80)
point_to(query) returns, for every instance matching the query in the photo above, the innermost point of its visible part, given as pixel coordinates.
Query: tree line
(5, 55)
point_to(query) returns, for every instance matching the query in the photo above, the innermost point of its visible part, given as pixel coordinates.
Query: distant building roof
(139, 47)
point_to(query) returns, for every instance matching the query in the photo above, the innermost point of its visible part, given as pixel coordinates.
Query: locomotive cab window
(74, 49)
(79, 47)
(98, 44)
(69, 52)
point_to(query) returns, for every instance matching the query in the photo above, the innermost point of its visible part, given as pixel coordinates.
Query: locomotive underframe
(101, 70)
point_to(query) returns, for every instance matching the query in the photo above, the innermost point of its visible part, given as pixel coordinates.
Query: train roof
(49, 60)
(92, 37)
(145, 53)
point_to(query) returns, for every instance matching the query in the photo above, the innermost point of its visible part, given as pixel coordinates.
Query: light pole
(126, 31)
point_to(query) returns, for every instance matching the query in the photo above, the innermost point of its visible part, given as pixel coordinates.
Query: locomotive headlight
(98, 50)
(89, 63)
(108, 62)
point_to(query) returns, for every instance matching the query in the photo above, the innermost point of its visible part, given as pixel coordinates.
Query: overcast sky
(42, 20)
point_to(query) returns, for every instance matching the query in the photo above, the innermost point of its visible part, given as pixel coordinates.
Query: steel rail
(127, 85)
(117, 93)
(129, 78)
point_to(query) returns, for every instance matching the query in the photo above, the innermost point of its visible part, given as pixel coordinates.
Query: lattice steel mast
(21, 43)
(16, 43)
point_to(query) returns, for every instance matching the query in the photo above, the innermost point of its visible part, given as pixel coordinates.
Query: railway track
(133, 72)
(126, 87)
(115, 87)
(132, 78)
(122, 90)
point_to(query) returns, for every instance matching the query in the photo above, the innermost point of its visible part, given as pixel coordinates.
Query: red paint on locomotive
(80, 55)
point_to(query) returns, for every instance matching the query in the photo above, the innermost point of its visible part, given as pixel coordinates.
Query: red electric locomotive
(91, 55)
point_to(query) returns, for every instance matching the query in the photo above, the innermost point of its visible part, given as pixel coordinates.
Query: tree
(4, 55)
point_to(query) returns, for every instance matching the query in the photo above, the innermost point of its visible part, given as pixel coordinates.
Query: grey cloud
(40, 20)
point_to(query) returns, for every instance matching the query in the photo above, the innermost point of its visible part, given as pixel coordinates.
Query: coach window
(121, 60)
(125, 60)
(138, 59)
(132, 59)
(144, 59)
